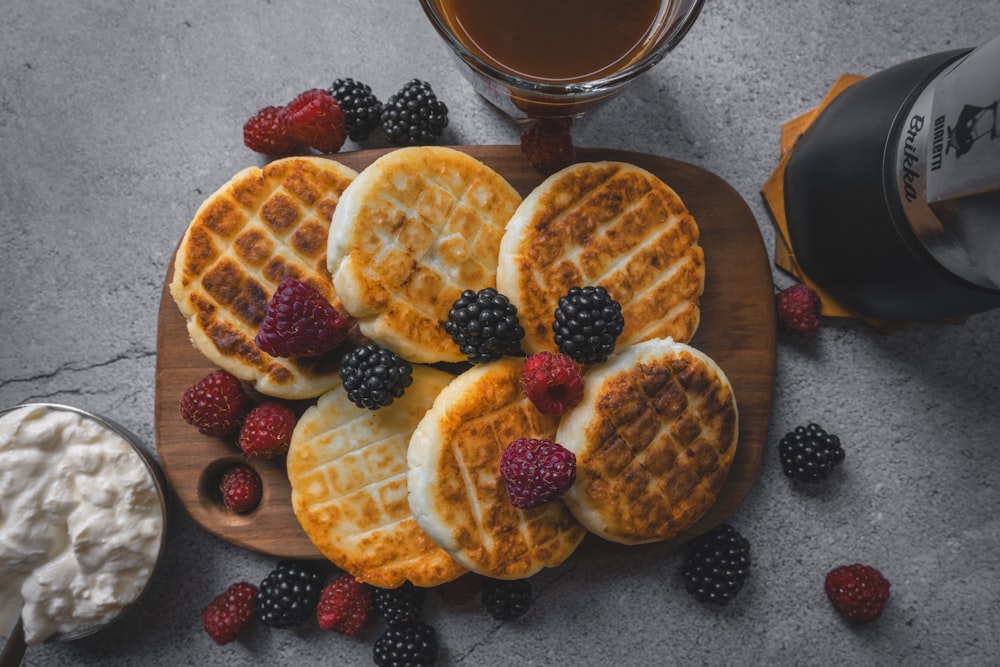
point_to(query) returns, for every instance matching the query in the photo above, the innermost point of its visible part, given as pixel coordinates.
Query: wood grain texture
(737, 330)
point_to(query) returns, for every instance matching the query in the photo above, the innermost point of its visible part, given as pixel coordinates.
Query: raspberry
(536, 472)
(216, 404)
(289, 594)
(587, 324)
(414, 116)
(410, 644)
(225, 617)
(241, 488)
(484, 325)
(267, 430)
(345, 606)
(315, 119)
(809, 454)
(548, 144)
(858, 592)
(461, 590)
(299, 322)
(399, 605)
(266, 133)
(506, 600)
(374, 376)
(553, 382)
(717, 565)
(362, 110)
(798, 310)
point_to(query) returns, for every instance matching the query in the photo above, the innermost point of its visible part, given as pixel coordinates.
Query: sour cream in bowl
(82, 521)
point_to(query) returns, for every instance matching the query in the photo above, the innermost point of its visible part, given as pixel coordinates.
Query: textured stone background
(118, 118)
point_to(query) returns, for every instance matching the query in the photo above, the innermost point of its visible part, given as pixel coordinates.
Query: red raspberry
(552, 381)
(225, 617)
(315, 119)
(266, 133)
(267, 430)
(241, 488)
(299, 322)
(346, 605)
(798, 310)
(216, 404)
(461, 590)
(536, 472)
(548, 144)
(858, 592)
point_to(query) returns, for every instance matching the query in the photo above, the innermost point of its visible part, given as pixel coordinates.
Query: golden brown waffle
(347, 468)
(611, 224)
(260, 227)
(417, 226)
(654, 437)
(456, 492)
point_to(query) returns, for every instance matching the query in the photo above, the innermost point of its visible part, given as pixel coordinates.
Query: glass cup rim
(670, 40)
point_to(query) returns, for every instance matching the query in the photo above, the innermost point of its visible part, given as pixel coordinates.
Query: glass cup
(524, 97)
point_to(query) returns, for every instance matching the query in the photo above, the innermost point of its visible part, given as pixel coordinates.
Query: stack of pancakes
(412, 492)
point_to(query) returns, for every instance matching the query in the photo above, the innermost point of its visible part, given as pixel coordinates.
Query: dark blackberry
(414, 116)
(809, 454)
(362, 110)
(289, 594)
(587, 324)
(506, 600)
(403, 604)
(406, 645)
(717, 564)
(374, 376)
(484, 325)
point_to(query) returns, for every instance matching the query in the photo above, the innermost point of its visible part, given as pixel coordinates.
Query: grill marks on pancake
(441, 250)
(347, 468)
(469, 496)
(265, 225)
(658, 452)
(613, 225)
(420, 225)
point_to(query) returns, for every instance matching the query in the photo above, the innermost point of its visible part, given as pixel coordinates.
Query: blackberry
(414, 116)
(374, 377)
(362, 110)
(506, 600)
(399, 605)
(809, 454)
(717, 565)
(587, 324)
(408, 644)
(289, 594)
(484, 325)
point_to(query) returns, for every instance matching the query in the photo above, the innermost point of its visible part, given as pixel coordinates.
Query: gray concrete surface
(117, 118)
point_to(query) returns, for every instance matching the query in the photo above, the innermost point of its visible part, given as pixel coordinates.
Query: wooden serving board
(737, 330)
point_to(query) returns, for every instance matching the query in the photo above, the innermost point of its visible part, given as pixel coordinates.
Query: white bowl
(159, 485)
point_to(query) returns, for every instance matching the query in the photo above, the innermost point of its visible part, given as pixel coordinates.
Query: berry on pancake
(299, 322)
(552, 381)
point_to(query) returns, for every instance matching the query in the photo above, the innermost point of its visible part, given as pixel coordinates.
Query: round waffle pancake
(260, 227)
(611, 224)
(456, 492)
(654, 437)
(417, 226)
(347, 468)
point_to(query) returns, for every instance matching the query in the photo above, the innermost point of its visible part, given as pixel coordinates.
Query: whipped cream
(81, 522)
